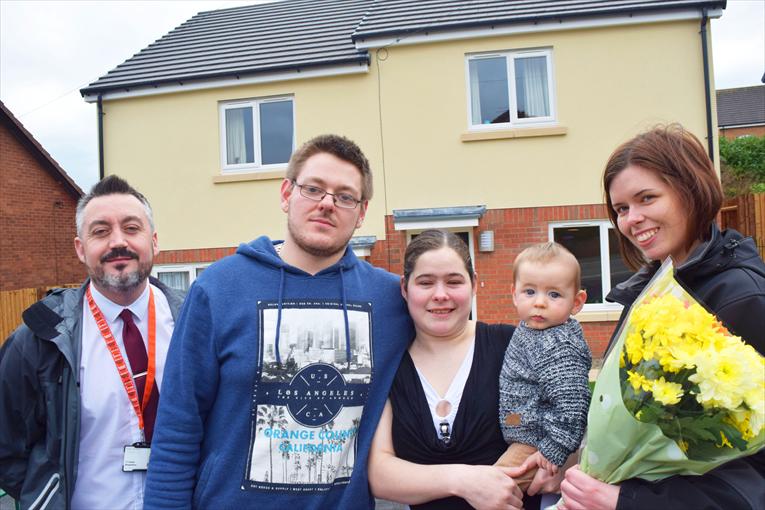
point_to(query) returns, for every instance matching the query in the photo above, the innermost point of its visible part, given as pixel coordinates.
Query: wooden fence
(14, 302)
(746, 213)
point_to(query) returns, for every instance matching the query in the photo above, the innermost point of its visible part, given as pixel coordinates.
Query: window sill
(249, 176)
(598, 315)
(474, 136)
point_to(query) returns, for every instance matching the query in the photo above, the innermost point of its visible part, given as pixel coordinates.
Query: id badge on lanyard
(136, 457)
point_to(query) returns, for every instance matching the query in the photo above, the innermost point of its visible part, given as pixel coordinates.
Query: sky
(51, 49)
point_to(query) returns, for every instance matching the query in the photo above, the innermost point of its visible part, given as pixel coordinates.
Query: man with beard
(282, 357)
(80, 379)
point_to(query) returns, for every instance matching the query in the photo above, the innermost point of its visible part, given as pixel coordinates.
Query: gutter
(100, 110)
(707, 93)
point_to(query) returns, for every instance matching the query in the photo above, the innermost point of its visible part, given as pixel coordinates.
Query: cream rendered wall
(610, 83)
(168, 147)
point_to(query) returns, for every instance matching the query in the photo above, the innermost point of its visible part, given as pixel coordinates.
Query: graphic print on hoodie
(311, 385)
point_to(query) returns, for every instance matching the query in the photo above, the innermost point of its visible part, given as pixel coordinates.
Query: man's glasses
(344, 200)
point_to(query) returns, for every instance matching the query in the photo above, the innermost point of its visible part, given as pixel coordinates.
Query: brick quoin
(36, 220)
(514, 230)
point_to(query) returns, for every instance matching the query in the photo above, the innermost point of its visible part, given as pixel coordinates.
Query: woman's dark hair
(435, 240)
(679, 159)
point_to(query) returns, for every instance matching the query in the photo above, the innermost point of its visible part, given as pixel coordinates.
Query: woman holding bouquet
(663, 195)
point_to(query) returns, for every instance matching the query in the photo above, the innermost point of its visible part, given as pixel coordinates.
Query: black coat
(727, 275)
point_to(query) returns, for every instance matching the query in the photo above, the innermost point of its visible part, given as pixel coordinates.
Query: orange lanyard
(125, 375)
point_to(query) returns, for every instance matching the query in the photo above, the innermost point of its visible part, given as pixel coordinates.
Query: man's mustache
(119, 253)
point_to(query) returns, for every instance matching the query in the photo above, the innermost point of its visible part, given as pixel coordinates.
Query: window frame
(254, 103)
(515, 122)
(190, 269)
(605, 262)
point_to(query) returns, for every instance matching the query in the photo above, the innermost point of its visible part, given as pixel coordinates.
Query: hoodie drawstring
(347, 325)
(279, 315)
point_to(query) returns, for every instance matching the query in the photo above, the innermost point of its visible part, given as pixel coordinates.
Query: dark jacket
(727, 275)
(40, 399)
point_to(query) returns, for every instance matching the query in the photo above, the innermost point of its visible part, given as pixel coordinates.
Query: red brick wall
(514, 230)
(193, 256)
(36, 221)
(732, 133)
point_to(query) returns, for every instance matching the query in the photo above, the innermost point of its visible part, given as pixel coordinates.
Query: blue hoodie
(274, 384)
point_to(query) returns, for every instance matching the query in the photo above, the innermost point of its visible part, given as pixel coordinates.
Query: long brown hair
(679, 159)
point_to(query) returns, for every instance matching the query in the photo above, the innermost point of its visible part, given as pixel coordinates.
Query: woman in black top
(663, 196)
(416, 458)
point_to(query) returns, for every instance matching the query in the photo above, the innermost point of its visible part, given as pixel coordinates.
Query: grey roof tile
(245, 41)
(741, 106)
(398, 17)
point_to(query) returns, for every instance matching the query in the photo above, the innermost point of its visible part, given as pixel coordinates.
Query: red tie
(139, 363)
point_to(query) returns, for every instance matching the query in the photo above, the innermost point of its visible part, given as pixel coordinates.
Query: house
(741, 111)
(491, 118)
(37, 208)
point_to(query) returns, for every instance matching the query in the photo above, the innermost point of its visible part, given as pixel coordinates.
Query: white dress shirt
(107, 419)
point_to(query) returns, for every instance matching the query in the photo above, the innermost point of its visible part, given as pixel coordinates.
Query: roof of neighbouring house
(45, 159)
(304, 35)
(743, 106)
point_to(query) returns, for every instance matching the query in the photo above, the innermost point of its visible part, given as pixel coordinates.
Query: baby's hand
(545, 464)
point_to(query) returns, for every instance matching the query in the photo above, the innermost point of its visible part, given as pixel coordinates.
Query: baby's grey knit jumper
(543, 389)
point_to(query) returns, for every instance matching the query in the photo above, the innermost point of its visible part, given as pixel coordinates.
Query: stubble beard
(304, 243)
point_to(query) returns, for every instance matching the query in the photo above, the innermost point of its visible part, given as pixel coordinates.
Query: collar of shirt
(111, 310)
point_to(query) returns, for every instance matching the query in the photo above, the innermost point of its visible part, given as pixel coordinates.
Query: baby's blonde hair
(546, 252)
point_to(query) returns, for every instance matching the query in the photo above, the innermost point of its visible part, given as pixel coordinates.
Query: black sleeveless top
(475, 437)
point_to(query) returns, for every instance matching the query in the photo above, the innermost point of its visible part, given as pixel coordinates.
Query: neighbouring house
(490, 118)
(37, 207)
(741, 111)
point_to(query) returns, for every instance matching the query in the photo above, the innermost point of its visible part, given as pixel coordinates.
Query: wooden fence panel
(746, 213)
(14, 302)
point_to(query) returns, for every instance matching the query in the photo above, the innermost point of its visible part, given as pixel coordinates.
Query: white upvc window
(595, 246)
(178, 276)
(256, 134)
(510, 89)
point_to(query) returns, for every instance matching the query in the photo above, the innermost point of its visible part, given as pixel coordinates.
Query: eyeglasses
(344, 200)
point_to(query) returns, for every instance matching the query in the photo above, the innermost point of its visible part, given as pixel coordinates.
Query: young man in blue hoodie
(282, 357)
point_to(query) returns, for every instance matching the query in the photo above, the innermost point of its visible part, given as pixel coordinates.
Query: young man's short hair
(341, 148)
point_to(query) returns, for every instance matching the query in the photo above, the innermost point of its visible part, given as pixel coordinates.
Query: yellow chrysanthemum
(638, 381)
(725, 376)
(666, 392)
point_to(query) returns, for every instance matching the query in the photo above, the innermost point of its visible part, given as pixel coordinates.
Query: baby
(543, 386)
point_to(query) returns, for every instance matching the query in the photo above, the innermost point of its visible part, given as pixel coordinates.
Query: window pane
(199, 270)
(239, 138)
(619, 270)
(488, 90)
(276, 132)
(174, 279)
(584, 243)
(531, 87)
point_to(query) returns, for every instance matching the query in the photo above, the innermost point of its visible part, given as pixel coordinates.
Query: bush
(745, 155)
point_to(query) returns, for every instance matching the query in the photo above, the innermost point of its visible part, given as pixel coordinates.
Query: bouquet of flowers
(678, 394)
